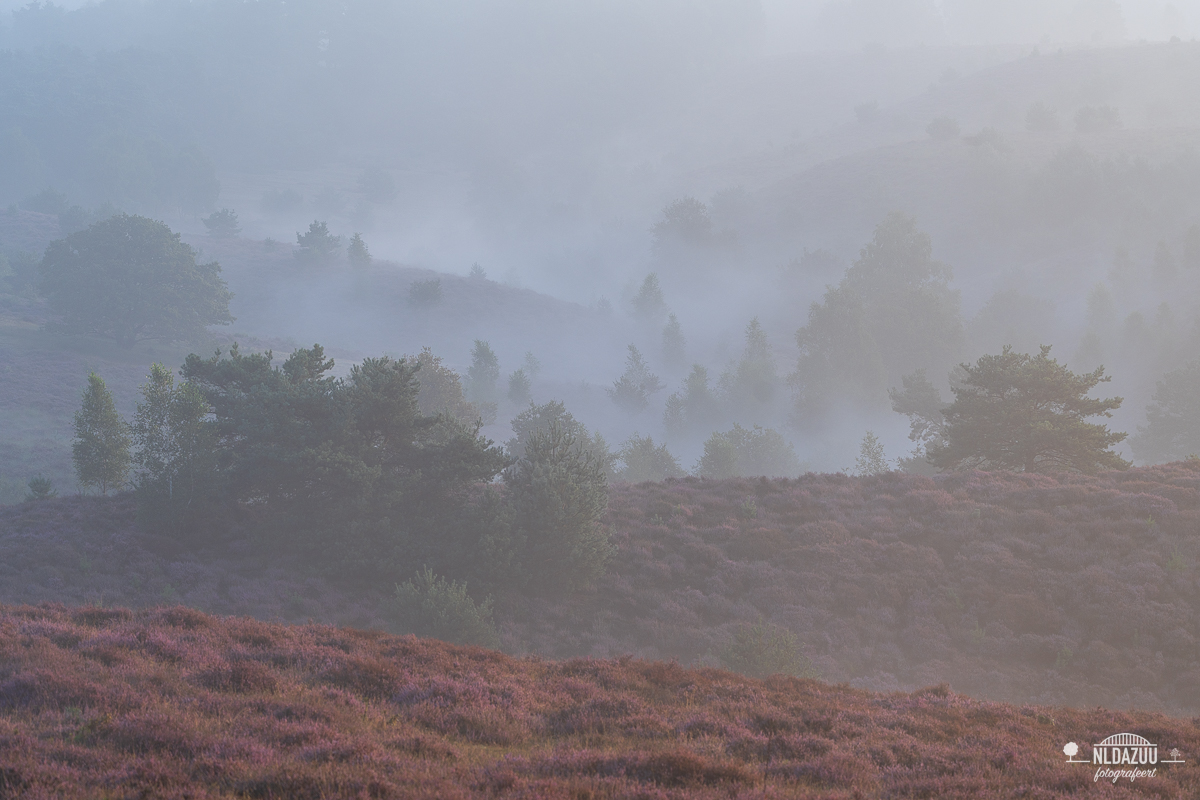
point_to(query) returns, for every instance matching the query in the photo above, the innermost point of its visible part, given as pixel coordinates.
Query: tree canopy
(130, 279)
(1022, 412)
(1172, 429)
(329, 457)
(100, 449)
(892, 313)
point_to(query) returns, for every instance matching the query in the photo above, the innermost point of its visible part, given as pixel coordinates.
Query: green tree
(429, 605)
(559, 492)
(174, 446)
(441, 389)
(519, 386)
(747, 452)
(222, 224)
(40, 488)
(921, 402)
(753, 379)
(1172, 429)
(483, 374)
(348, 468)
(554, 413)
(762, 649)
(129, 278)
(674, 346)
(684, 222)
(1027, 413)
(894, 312)
(633, 389)
(425, 294)
(871, 460)
(694, 408)
(358, 255)
(100, 448)
(644, 461)
(648, 303)
(317, 246)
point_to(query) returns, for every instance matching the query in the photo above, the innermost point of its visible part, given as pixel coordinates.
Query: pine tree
(358, 254)
(674, 346)
(633, 389)
(100, 449)
(483, 373)
(870, 459)
(318, 246)
(519, 386)
(1027, 413)
(648, 304)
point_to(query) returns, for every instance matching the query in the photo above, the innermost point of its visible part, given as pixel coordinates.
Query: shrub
(425, 294)
(742, 452)
(222, 224)
(762, 649)
(40, 488)
(428, 605)
(645, 462)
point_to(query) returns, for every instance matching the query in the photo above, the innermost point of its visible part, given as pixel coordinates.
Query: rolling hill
(173, 703)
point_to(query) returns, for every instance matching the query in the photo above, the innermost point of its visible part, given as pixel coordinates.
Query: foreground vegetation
(174, 703)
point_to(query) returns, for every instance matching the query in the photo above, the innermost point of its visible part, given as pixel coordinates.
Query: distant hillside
(172, 703)
(371, 310)
(1020, 588)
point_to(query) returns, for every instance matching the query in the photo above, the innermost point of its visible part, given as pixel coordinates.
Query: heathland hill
(1064, 589)
(173, 703)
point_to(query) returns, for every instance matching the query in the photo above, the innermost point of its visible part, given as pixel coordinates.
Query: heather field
(1067, 590)
(1022, 588)
(174, 703)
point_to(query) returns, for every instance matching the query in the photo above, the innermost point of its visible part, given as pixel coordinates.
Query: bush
(431, 606)
(425, 294)
(40, 488)
(222, 224)
(645, 462)
(762, 649)
(742, 452)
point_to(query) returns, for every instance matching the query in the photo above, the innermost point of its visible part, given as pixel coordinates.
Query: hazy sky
(798, 25)
(806, 24)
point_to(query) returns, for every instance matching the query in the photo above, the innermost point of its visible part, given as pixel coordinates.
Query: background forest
(782, 234)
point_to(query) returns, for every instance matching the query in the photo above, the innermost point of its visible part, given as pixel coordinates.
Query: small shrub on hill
(643, 461)
(425, 294)
(40, 488)
(762, 649)
(429, 605)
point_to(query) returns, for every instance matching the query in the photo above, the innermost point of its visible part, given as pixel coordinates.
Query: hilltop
(174, 703)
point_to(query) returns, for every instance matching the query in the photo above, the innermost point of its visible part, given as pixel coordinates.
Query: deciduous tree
(129, 278)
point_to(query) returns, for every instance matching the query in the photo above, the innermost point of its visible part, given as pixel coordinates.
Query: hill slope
(172, 703)
(1065, 590)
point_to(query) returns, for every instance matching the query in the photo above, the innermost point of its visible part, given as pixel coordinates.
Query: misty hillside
(998, 584)
(177, 703)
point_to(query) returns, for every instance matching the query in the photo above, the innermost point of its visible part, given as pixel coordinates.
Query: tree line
(349, 472)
